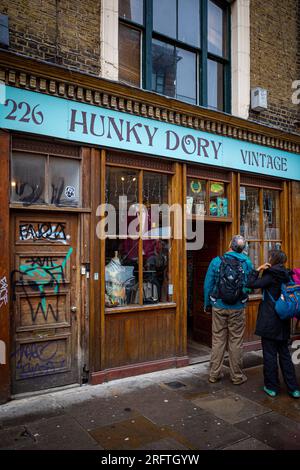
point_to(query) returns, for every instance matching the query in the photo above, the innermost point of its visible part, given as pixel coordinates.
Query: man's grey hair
(238, 243)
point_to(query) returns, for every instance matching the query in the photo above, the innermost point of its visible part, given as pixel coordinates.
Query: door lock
(73, 309)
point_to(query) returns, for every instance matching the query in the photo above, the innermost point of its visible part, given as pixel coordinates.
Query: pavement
(176, 409)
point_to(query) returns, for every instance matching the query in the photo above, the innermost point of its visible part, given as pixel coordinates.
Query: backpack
(231, 282)
(288, 304)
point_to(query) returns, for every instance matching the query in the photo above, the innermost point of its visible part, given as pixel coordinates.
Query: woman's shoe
(269, 392)
(295, 394)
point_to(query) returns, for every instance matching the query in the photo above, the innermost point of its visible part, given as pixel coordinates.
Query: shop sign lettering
(39, 113)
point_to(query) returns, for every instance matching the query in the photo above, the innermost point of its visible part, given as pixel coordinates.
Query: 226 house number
(22, 112)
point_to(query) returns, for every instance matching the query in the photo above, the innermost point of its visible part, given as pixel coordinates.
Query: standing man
(226, 296)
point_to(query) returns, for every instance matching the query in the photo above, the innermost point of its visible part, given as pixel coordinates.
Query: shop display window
(260, 222)
(207, 198)
(137, 263)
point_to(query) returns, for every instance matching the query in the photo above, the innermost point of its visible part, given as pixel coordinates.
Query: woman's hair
(277, 257)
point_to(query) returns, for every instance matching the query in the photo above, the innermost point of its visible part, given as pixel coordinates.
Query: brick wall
(65, 32)
(275, 55)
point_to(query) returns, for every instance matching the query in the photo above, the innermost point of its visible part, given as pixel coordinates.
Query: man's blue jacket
(212, 277)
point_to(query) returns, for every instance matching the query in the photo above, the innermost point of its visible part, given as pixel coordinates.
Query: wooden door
(46, 301)
(211, 248)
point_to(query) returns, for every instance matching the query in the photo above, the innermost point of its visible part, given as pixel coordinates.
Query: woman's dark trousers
(272, 348)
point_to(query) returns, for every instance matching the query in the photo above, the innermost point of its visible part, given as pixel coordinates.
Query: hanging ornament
(196, 186)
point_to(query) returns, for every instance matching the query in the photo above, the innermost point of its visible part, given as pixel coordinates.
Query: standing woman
(274, 332)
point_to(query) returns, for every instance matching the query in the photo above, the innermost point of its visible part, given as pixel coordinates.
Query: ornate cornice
(30, 74)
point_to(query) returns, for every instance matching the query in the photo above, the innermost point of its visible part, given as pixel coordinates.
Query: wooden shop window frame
(140, 163)
(211, 175)
(52, 148)
(262, 184)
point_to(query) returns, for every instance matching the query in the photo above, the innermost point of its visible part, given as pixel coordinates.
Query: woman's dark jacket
(268, 324)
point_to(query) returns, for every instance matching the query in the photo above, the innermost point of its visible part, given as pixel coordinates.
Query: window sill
(42, 207)
(209, 218)
(138, 308)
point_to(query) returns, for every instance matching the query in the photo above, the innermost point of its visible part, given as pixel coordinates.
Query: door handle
(73, 309)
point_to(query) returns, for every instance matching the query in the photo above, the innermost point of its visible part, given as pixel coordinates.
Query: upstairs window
(178, 48)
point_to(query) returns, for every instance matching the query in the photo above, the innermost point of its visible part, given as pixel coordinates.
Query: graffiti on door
(3, 291)
(35, 276)
(49, 231)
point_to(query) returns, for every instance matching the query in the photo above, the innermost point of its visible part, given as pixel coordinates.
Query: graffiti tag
(43, 231)
(37, 274)
(3, 291)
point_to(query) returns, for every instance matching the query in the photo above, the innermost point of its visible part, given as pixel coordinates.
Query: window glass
(189, 22)
(129, 55)
(250, 214)
(64, 180)
(164, 17)
(218, 202)
(155, 271)
(215, 85)
(122, 194)
(186, 76)
(131, 10)
(254, 253)
(163, 68)
(215, 29)
(271, 215)
(28, 178)
(196, 195)
(121, 272)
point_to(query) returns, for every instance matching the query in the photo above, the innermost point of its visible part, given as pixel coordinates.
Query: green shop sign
(38, 113)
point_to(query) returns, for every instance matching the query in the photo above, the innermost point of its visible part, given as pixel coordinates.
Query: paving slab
(100, 412)
(60, 433)
(274, 430)
(248, 444)
(208, 432)
(131, 434)
(230, 406)
(161, 405)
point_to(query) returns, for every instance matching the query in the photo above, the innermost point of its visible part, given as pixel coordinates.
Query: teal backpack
(288, 304)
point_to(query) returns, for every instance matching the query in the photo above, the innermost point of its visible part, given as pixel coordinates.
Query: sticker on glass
(70, 191)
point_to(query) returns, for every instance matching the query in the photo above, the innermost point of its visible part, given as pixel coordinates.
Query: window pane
(218, 203)
(254, 253)
(271, 215)
(186, 76)
(131, 10)
(216, 18)
(215, 85)
(195, 199)
(164, 17)
(250, 214)
(122, 194)
(28, 178)
(155, 271)
(121, 272)
(189, 22)
(163, 68)
(155, 194)
(64, 181)
(129, 55)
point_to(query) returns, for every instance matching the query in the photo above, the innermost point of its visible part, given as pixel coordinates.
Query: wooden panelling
(132, 160)
(251, 315)
(208, 173)
(40, 145)
(4, 268)
(256, 180)
(139, 337)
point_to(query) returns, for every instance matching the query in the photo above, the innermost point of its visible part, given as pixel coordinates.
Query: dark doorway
(199, 322)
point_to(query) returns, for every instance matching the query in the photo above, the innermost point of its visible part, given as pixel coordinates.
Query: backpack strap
(269, 294)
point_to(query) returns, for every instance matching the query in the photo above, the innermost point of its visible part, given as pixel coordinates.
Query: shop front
(81, 306)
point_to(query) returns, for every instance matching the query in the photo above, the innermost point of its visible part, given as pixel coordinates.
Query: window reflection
(164, 17)
(28, 178)
(250, 214)
(215, 29)
(215, 85)
(131, 10)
